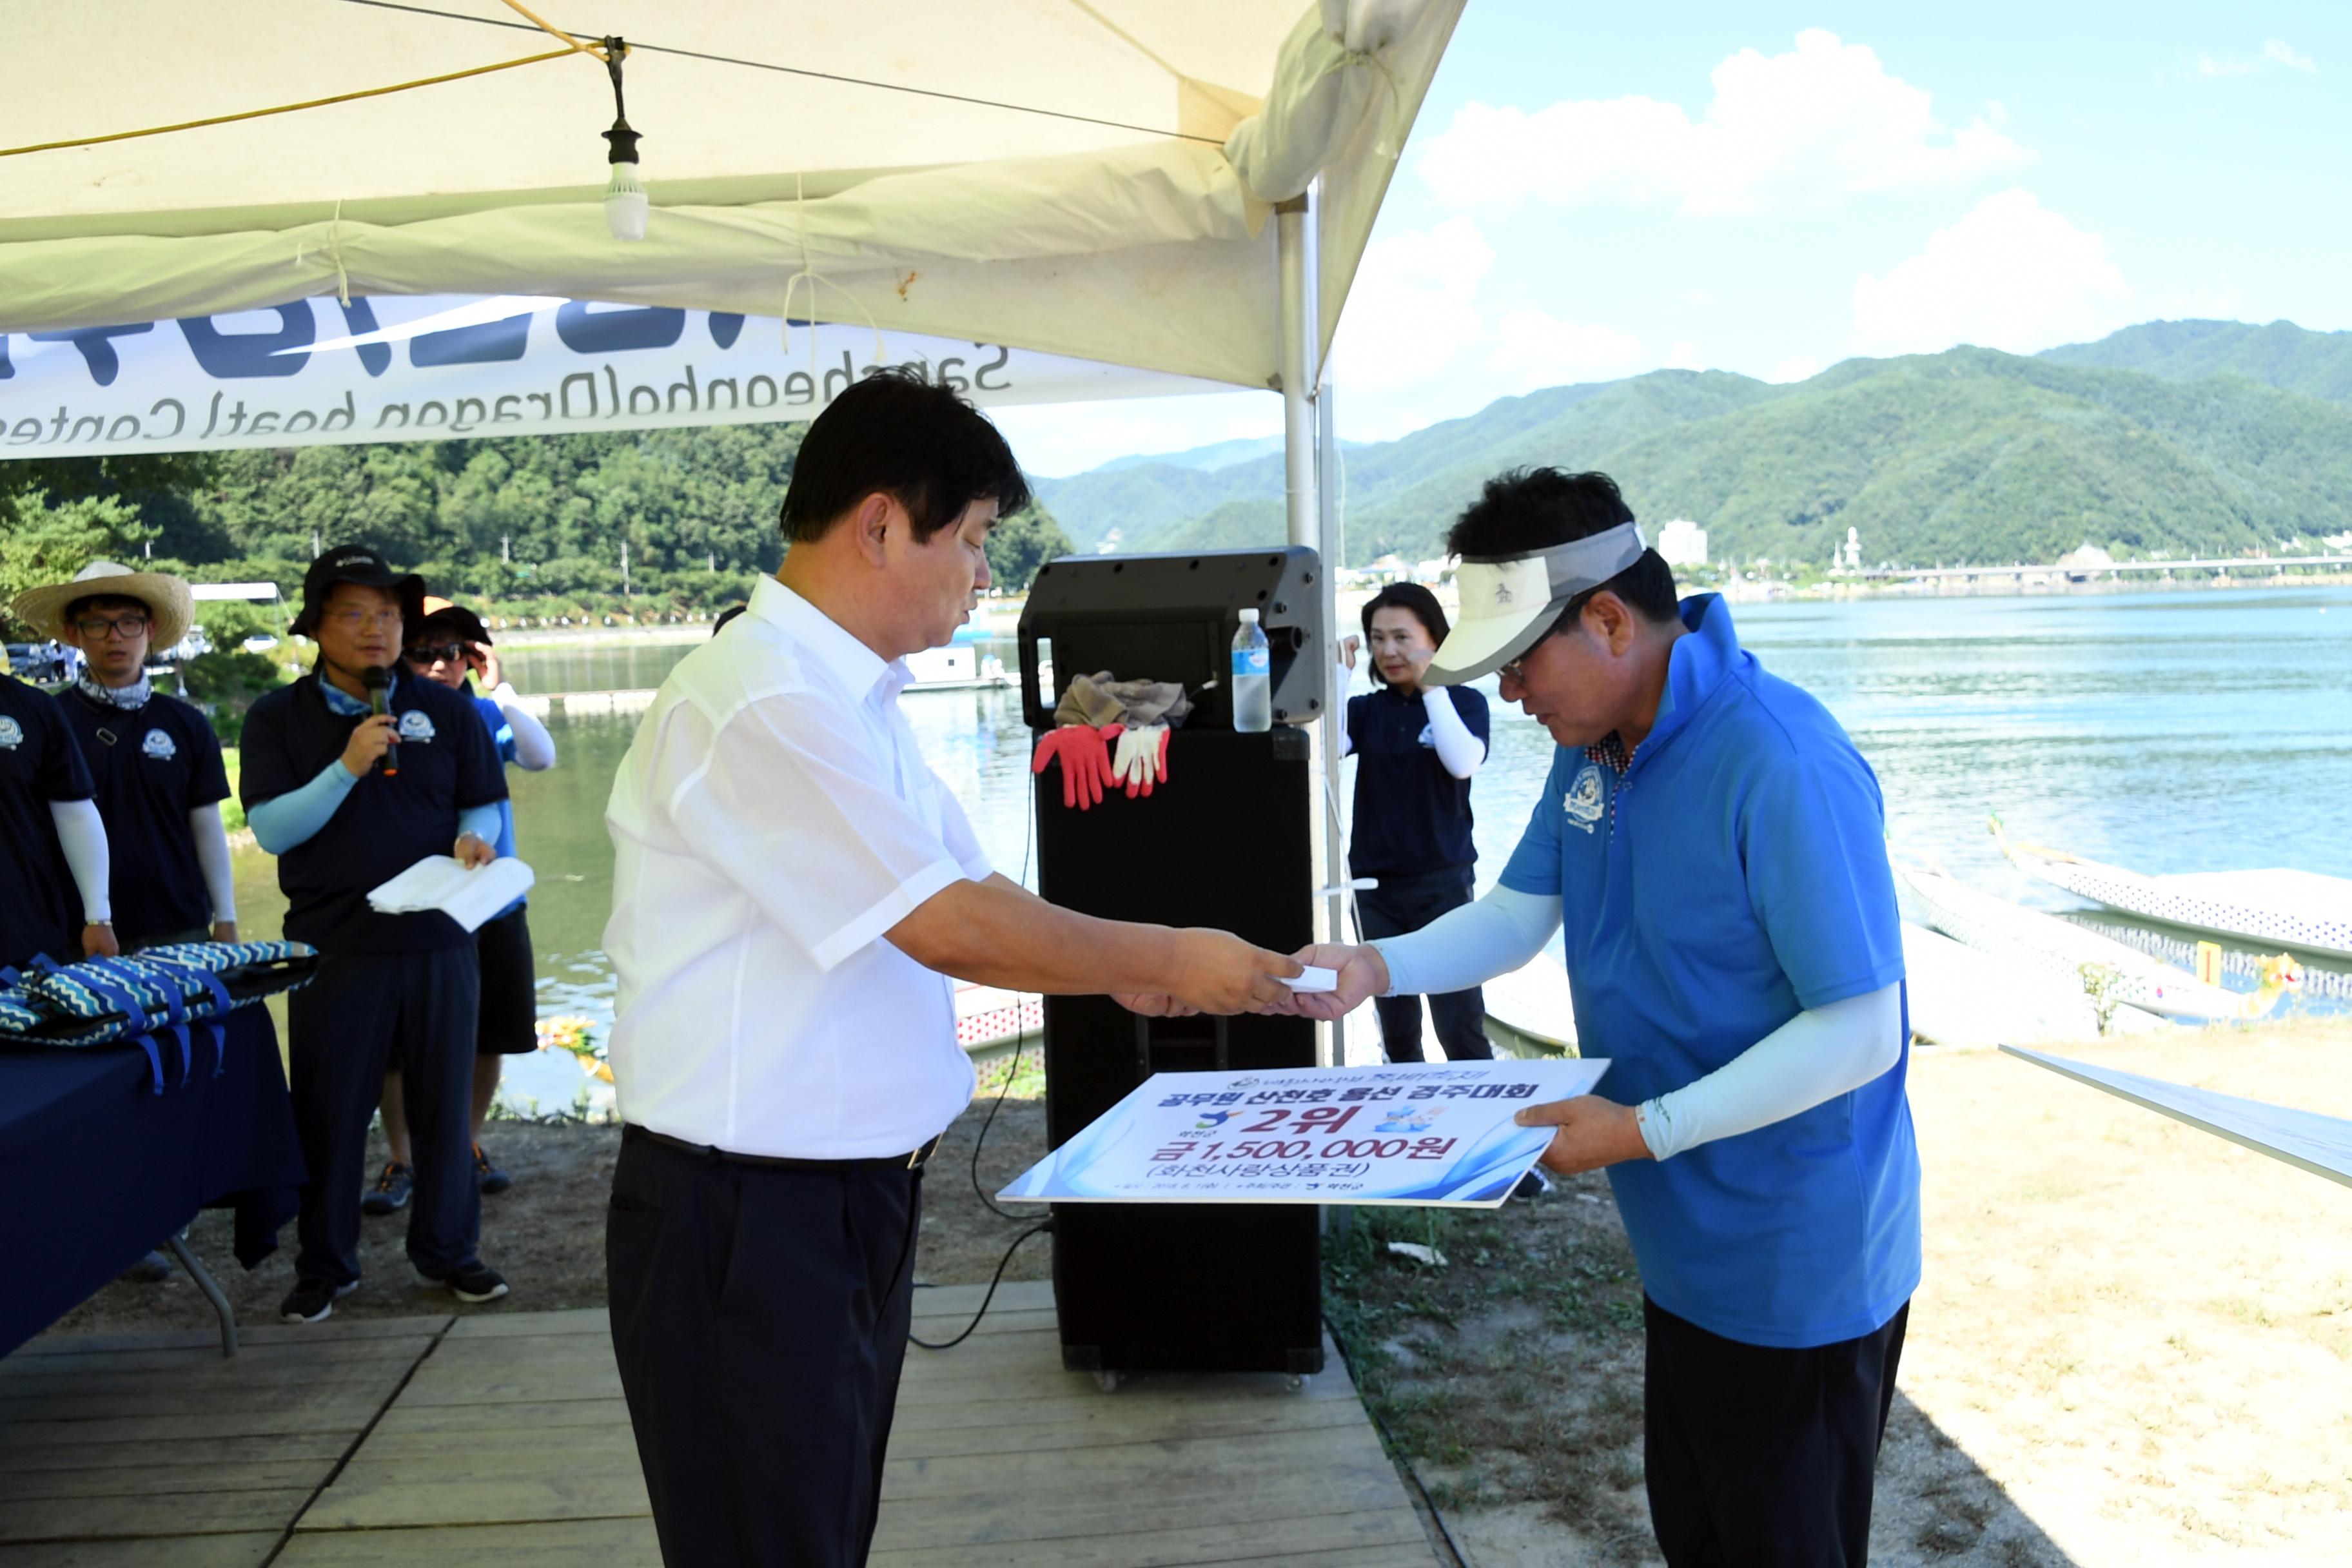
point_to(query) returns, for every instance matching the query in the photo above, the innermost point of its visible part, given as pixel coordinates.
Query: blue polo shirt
(502, 736)
(1735, 876)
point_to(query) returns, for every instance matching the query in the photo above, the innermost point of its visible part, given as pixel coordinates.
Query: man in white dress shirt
(793, 886)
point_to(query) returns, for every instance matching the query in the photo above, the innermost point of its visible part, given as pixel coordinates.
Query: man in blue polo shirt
(348, 798)
(1712, 848)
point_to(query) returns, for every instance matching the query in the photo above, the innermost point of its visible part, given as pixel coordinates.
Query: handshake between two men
(1592, 1132)
(993, 931)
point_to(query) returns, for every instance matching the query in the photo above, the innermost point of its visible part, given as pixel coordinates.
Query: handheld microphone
(377, 680)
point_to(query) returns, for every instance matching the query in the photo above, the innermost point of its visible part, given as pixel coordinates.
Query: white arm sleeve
(82, 832)
(1457, 748)
(1818, 1055)
(1471, 945)
(211, 856)
(534, 747)
(1340, 700)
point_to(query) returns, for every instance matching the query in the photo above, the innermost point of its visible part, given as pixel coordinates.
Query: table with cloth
(96, 1167)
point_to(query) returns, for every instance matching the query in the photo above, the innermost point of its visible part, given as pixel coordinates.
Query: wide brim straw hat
(171, 603)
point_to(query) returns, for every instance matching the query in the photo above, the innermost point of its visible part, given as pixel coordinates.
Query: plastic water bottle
(1253, 678)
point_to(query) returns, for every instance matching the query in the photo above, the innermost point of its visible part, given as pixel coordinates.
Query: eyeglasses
(436, 653)
(1569, 616)
(353, 620)
(123, 626)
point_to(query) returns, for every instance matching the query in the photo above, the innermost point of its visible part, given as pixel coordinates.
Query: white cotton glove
(1141, 759)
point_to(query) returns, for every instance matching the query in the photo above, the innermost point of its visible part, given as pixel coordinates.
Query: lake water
(2172, 731)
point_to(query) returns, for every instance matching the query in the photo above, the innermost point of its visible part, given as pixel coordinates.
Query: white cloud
(1535, 348)
(1683, 356)
(1799, 367)
(1414, 308)
(1799, 130)
(2273, 53)
(2011, 275)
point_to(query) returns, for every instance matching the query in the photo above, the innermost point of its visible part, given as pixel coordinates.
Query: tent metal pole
(1301, 329)
(1330, 541)
(1295, 247)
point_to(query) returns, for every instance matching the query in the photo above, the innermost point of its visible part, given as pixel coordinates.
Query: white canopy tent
(1180, 187)
(1090, 178)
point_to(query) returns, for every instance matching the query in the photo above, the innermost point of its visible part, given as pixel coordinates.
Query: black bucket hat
(355, 563)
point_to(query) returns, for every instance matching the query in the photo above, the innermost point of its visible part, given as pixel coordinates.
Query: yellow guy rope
(571, 45)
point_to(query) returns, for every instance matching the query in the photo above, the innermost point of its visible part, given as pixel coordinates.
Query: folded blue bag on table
(146, 998)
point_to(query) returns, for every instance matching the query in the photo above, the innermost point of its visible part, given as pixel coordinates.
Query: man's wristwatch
(88, 922)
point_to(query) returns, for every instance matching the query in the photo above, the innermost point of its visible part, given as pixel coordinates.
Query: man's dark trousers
(1401, 905)
(340, 1031)
(760, 1317)
(1763, 1457)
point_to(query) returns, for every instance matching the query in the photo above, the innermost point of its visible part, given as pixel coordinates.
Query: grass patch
(1512, 1373)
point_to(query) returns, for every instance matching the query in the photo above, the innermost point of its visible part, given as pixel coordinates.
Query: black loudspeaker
(1172, 618)
(1225, 841)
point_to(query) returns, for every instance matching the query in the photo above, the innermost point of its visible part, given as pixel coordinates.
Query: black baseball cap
(453, 618)
(355, 563)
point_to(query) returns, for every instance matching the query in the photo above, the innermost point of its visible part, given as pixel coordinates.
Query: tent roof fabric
(1084, 177)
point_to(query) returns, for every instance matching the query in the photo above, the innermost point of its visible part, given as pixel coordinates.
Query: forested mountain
(2282, 354)
(1969, 455)
(537, 523)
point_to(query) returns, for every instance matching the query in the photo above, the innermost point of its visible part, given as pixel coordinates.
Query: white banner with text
(415, 368)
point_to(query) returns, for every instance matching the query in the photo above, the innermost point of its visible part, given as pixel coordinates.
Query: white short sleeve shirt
(773, 819)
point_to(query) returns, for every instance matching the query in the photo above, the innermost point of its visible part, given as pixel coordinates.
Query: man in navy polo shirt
(52, 856)
(1713, 848)
(154, 760)
(450, 641)
(348, 799)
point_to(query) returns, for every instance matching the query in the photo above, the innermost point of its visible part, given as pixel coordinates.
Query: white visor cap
(1509, 601)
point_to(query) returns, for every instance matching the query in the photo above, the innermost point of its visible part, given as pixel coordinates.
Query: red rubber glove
(1085, 756)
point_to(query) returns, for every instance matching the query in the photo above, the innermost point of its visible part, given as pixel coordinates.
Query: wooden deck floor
(500, 1438)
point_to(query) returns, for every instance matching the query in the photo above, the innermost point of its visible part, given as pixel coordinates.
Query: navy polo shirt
(1412, 816)
(40, 907)
(1736, 875)
(385, 825)
(152, 766)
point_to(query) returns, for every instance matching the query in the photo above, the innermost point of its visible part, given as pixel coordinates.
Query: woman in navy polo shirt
(1416, 748)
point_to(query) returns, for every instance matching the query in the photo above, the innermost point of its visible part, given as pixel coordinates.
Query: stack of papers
(442, 882)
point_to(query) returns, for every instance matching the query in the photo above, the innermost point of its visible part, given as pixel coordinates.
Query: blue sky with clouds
(1592, 191)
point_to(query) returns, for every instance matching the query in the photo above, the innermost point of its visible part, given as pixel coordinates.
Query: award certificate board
(1436, 1134)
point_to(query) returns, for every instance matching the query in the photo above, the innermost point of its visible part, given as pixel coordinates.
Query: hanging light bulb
(625, 202)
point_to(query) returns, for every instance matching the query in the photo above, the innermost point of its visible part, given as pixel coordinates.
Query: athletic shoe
(313, 1301)
(487, 1176)
(391, 1190)
(477, 1283)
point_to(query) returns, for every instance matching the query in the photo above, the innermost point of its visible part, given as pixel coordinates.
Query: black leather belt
(914, 1162)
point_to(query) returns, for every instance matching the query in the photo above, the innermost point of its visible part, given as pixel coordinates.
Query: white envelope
(442, 882)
